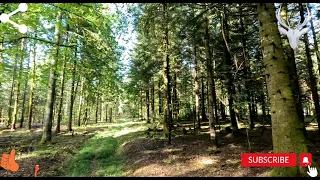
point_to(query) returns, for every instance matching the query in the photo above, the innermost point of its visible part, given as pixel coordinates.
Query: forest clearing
(159, 89)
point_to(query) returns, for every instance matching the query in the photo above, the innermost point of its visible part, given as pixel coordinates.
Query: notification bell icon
(305, 160)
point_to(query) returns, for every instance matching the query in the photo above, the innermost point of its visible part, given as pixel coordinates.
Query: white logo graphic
(5, 17)
(292, 34)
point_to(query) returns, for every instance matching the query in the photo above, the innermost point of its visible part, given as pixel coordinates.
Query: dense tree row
(221, 63)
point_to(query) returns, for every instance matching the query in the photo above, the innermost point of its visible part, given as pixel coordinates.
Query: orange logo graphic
(8, 161)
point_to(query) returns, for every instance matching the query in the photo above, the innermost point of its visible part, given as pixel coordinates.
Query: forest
(158, 89)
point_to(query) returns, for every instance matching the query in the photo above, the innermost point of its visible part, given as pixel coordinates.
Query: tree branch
(38, 39)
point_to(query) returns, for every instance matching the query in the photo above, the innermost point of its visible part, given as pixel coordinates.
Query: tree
(287, 135)
(47, 135)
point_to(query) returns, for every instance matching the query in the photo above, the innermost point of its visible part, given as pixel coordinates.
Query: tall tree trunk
(166, 78)
(106, 112)
(86, 112)
(313, 83)
(101, 111)
(47, 128)
(148, 105)
(230, 85)
(73, 92)
(141, 106)
(80, 102)
(287, 136)
(196, 86)
(223, 111)
(175, 98)
(24, 94)
(211, 84)
(247, 72)
(152, 102)
(293, 74)
(32, 86)
(97, 109)
(61, 96)
(14, 76)
(160, 97)
(203, 108)
(263, 107)
(17, 88)
(110, 118)
(315, 42)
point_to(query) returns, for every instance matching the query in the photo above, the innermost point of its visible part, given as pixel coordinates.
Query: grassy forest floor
(123, 148)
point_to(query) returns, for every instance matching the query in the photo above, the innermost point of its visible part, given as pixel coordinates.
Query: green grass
(101, 155)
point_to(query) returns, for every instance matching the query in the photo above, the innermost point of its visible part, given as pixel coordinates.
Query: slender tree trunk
(24, 94)
(160, 97)
(230, 85)
(196, 86)
(211, 84)
(61, 94)
(287, 136)
(175, 98)
(17, 88)
(166, 78)
(97, 109)
(14, 76)
(315, 42)
(106, 112)
(32, 86)
(72, 93)
(110, 118)
(152, 102)
(141, 105)
(246, 69)
(203, 108)
(312, 78)
(47, 128)
(85, 118)
(80, 102)
(263, 107)
(148, 105)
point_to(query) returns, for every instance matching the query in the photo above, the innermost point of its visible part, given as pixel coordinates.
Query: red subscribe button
(268, 160)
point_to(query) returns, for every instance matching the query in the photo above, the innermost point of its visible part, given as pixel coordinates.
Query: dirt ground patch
(189, 156)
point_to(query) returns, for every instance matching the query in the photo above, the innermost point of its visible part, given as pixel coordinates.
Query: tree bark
(17, 88)
(211, 84)
(61, 94)
(47, 128)
(148, 105)
(80, 102)
(230, 86)
(203, 108)
(97, 109)
(32, 86)
(196, 86)
(106, 112)
(287, 135)
(110, 118)
(24, 95)
(14, 76)
(293, 74)
(166, 77)
(72, 92)
(152, 102)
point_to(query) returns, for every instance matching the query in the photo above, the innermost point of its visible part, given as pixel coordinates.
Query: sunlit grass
(101, 155)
